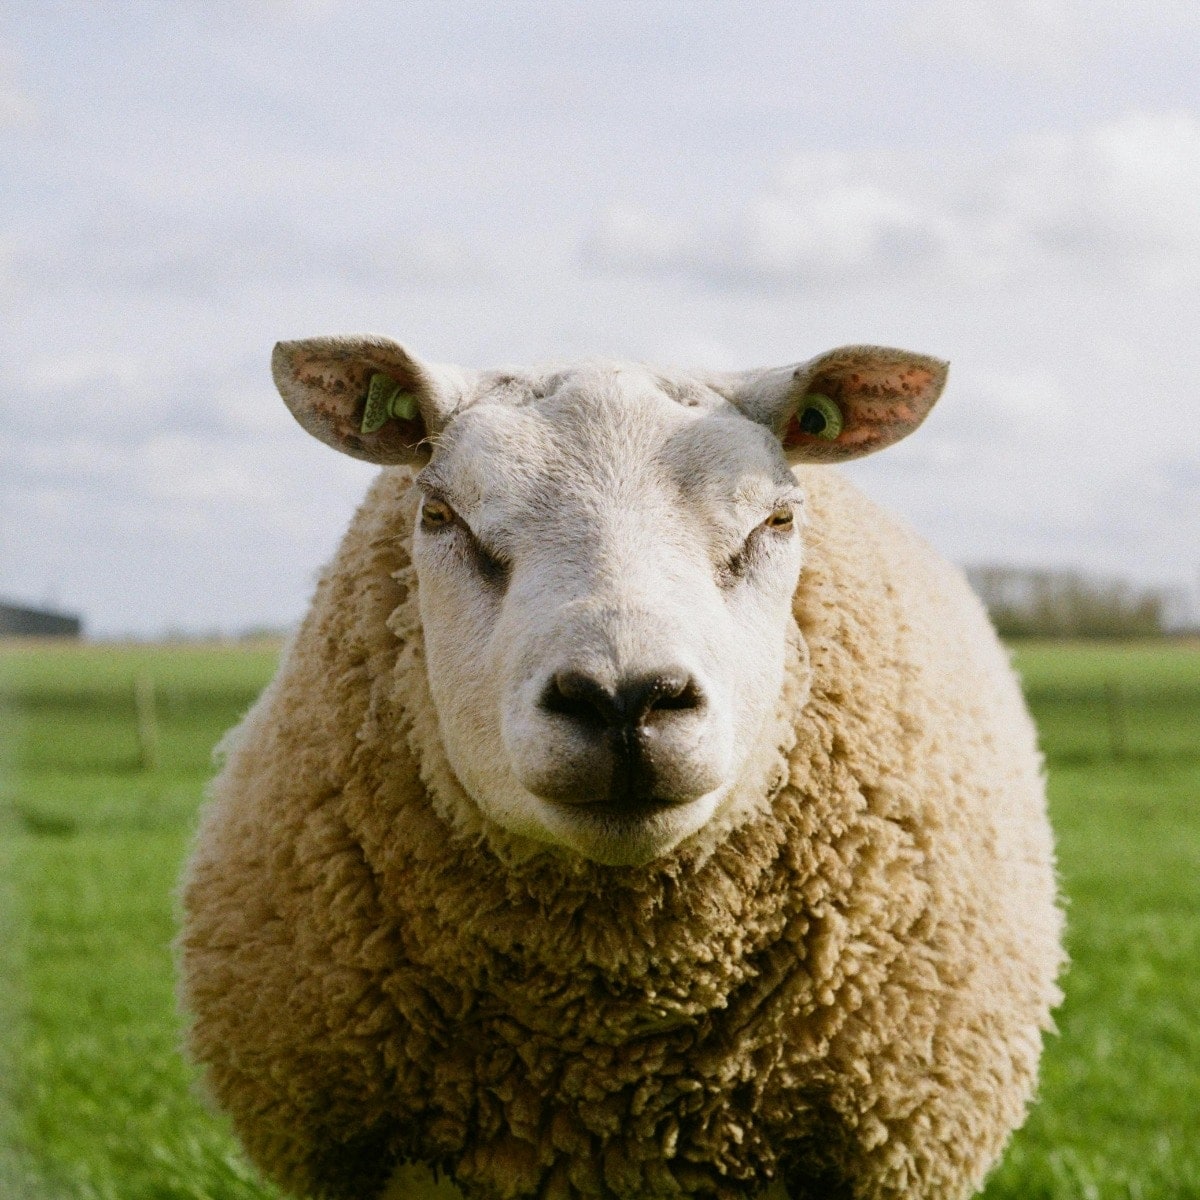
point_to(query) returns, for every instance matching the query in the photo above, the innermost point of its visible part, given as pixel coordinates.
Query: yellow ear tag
(386, 400)
(820, 417)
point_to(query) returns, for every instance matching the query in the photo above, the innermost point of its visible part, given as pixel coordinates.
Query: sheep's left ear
(844, 404)
(368, 396)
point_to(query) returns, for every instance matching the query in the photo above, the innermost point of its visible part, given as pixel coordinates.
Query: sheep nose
(632, 704)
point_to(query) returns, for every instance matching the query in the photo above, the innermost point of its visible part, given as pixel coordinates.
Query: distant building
(18, 621)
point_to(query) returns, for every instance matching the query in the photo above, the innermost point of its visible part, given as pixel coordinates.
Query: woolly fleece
(847, 992)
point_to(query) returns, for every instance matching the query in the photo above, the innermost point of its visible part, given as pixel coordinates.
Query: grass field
(95, 1101)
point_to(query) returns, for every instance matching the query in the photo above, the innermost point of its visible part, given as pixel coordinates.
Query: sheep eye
(436, 514)
(780, 521)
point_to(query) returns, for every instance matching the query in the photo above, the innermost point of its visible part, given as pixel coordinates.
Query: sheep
(639, 811)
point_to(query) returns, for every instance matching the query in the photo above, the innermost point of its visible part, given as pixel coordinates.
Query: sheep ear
(367, 396)
(844, 404)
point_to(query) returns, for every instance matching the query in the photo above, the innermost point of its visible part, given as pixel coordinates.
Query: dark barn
(16, 620)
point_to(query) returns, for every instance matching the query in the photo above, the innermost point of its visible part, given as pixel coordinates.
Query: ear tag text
(820, 417)
(386, 400)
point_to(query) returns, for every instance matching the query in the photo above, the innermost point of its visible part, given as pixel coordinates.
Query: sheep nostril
(670, 692)
(631, 705)
(580, 697)
(662, 692)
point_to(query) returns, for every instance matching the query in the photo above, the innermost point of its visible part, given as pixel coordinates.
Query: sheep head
(606, 557)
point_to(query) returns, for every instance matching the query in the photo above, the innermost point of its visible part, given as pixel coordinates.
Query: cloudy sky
(1011, 184)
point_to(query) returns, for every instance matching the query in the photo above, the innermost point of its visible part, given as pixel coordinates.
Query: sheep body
(845, 994)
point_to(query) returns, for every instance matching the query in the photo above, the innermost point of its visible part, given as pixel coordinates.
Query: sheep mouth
(629, 784)
(634, 793)
(630, 833)
(629, 809)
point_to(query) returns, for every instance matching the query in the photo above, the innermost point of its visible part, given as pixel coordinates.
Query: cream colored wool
(848, 992)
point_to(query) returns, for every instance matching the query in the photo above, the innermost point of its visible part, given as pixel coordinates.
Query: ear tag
(386, 400)
(820, 417)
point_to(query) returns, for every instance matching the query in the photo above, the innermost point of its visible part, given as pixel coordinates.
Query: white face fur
(606, 575)
(606, 559)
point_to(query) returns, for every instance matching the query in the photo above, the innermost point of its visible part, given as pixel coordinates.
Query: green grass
(1134, 701)
(99, 1103)
(1119, 1113)
(95, 1100)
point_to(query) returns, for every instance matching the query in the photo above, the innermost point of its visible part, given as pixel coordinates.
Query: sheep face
(605, 581)
(606, 558)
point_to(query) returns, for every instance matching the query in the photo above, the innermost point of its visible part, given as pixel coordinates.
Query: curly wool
(847, 991)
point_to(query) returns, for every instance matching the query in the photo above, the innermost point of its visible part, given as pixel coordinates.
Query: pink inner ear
(335, 391)
(880, 403)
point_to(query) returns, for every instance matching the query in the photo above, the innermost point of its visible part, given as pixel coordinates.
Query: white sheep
(633, 815)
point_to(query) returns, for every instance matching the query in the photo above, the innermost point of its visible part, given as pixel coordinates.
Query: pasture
(103, 759)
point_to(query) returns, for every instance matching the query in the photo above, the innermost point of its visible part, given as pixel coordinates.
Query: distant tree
(1049, 603)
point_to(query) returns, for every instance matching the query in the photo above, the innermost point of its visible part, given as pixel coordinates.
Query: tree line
(1026, 602)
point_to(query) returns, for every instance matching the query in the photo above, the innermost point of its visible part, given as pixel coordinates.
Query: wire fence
(151, 722)
(1117, 721)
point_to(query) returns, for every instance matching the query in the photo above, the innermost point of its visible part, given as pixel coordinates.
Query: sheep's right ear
(841, 405)
(367, 396)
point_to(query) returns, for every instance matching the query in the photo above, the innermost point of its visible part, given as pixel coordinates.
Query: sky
(1013, 185)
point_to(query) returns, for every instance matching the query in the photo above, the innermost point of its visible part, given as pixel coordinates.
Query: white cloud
(16, 107)
(214, 252)
(630, 237)
(96, 371)
(1020, 34)
(1124, 196)
(1039, 36)
(194, 188)
(270, 10)
(1117, 203)
(1074, 462)
(145, 533)
(301, 8)
(829, 214)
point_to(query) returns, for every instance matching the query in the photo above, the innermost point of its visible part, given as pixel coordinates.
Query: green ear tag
(403, 406)
(379, 397)
(385, 400)
(820, 417)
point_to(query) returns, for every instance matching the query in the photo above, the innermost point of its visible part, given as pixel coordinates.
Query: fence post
(1114, 703)
(147, 720)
